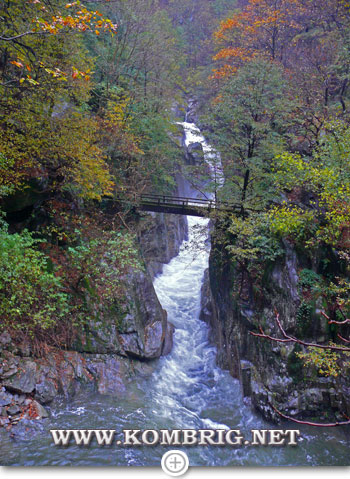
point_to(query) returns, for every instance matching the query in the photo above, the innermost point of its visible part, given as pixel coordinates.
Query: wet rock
(46, 390)
(169, 339)
(5, 398)
(101, 337)
(8, 367)
(195, 154)
(38, 410)
(9, 373)
(131, 344)
(121, 330)
(13, 410)
(206, 312)
(245, 377)
(20, 399)
(4, 421)
(160, 236)
(24, 380)
(192, 111)
(154, 339)
(143, 369)
(71, 372)
(110, 375)
(5, 338)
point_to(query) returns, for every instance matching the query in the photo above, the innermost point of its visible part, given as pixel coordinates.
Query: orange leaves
(224, 72)
(262, 28)
(77, 74)
(18, 64)
(28, 77)
(233, 52)
(80, 20)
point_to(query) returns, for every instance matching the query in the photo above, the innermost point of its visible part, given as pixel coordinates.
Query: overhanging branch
(292, 339)
(308, 423)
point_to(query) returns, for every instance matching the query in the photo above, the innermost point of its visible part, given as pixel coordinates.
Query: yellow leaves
(68, 143)
(253, 32)
(32, 81)
(80, 20)
(87, 172)
(224, 72)
(28, 78)
(92, 177)
(290, 220)
(76, 74)
(325, 361)
(18, 64)
(233, 52)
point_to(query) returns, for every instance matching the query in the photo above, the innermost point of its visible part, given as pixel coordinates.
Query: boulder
(5, 338)
(154, 339)
(38, 410)
(169, 339)
(23, 381)
(110, 374)
(5, 398)
(13, 410)
(131, 344)
(195, 154)
(46, 390)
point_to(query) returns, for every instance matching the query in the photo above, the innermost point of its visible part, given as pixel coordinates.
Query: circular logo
(175, 463)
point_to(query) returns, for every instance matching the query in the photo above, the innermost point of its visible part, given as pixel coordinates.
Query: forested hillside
(86, 99)
(279, 115)
(90, 94)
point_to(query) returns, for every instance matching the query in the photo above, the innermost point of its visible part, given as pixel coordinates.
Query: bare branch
(346, 321)
(16, 37)
(292, 339)
(343, 339)
(308, 423)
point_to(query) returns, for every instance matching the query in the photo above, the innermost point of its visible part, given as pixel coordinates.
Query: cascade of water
(212, 157)
(186, 391)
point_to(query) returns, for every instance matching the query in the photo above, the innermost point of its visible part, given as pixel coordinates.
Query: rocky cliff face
(110, 351)
(270, 373)
(160, 237)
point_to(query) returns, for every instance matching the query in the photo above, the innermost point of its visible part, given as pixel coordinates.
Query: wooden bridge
(180, 205)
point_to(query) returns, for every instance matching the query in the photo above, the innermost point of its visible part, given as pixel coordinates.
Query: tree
(249, 121)
(263, 28)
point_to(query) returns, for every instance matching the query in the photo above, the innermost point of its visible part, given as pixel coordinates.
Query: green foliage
(32, 297)
(291, 221)
(326, 361)
(248, 118)
(39, 299)
(295, 365)
(304, 319)
(251, 239)
(308, 279)
(100, 266)
(7, 184)
(325, 175)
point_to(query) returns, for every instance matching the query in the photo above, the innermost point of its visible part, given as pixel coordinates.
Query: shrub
(31, 296)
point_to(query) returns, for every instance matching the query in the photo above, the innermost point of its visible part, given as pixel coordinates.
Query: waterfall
(186, 390)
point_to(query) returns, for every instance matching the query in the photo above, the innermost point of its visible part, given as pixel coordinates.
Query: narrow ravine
(186, 391)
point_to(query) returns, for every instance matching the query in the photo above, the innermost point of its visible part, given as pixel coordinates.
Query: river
(186, 391)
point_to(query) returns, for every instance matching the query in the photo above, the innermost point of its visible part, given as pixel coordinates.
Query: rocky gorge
(112, 351)
(271, 375)
(109, 352)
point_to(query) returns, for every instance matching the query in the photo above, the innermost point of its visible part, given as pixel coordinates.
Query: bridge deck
(181, 205)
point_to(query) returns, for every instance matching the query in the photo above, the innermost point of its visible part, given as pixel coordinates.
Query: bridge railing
(183, 202)
(176, 200)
